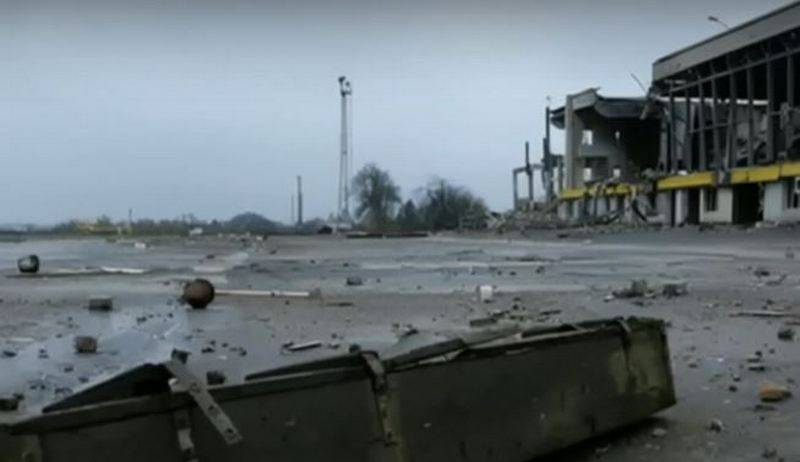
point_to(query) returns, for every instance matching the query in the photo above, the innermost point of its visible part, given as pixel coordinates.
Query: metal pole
(299, 200)
(514, 183)
(529, 172)
(345, 89)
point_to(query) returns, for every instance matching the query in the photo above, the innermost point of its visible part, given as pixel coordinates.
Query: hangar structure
(716, 140)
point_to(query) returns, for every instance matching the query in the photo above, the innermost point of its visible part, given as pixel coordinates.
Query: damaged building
(731, 128)
(716, 140)
(609, 144)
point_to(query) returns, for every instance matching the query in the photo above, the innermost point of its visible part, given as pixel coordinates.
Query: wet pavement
(428, 284)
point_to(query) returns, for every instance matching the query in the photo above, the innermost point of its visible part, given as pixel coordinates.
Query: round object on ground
(29, 264)
(198, 293)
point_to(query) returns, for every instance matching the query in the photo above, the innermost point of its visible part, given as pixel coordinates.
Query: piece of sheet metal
(506, 397)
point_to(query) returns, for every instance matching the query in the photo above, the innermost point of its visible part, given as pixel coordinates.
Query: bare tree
(377, 196)
(446, 206)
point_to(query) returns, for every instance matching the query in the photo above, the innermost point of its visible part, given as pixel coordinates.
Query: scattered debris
(215, 377)
(291, 346)
(675, 289)
(315, 293)
(786, 334)
(484, 321)
(340, 304)
(774, 280)
(760, 272)
(638, 288)
(100, 304)
(773, 392)
(762, 314)
(180, 355)
(28, 264)
(769, 453)
(354, 281)
(716, 425)
(485, 293)
(85, 344)
(198, 293)
(9, 403)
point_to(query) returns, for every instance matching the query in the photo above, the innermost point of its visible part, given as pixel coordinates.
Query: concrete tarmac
(428, 284)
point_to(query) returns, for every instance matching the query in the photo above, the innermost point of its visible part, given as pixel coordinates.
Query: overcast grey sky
(172, 107)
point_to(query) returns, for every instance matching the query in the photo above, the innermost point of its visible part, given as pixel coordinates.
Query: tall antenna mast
(344, 160)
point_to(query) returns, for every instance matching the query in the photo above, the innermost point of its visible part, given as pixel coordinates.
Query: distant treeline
(439, 205)
(248, 222)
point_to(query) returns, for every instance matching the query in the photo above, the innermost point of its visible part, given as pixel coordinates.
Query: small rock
(485, 321)
(658, 432)
(215, 377)
(28, 264)
(354, 281)
(760, 407)
(716, 425)
(9, 353)
(638, 288)
(733, 388)
(769, 453)
(100, 304)
(786, 334)
(182, 356)
(85, 344)
(485, 293)
(675, 289)
(773, 392)
(602, 450)
(9, 403)
(760, 271)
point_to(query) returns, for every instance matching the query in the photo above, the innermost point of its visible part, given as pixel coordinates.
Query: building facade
(730, 114)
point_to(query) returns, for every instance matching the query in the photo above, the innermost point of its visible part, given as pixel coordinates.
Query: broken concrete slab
(85, 344)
